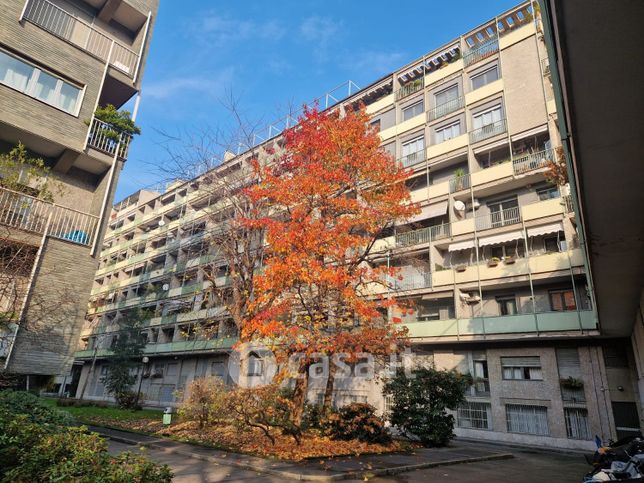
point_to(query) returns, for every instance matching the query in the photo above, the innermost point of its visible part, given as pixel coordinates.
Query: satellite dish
(161, 223)
(165, 286)
(459, 205)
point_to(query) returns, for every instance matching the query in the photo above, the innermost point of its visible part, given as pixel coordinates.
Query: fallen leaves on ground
(228, 437)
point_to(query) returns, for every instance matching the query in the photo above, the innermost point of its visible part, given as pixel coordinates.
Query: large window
(474, 415)
(37, 83)
(577, 423)
(413, 110)
(507, 305)
(448, 132)
(413, 150)
(527, 419)
(446, 95)
(548, 193)
(485, 77)
(522, 368)
(562, 300)
(488, 117)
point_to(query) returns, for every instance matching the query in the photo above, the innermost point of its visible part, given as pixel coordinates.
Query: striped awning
(500, 238)
(464, 245)
(546, 229)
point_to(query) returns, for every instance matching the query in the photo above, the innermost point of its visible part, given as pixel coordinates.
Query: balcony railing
(509, 216)
(545, 66)
(567, 201)
(413, 282)
(423, 235)
(64, 25)
(106, 138)
(487, 131)
(413, 158)
(530, 162)
(410, 88)
(459, 183)
(480, 52)
(25, 212)
(446, 108)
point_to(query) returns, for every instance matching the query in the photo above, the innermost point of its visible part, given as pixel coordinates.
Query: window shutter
(568, 362)
(527, 361)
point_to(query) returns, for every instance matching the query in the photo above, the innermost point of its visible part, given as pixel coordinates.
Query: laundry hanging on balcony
(464, 245)
(546, 229)
(501, 238)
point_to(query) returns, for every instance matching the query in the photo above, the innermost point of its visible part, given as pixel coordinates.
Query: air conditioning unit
(476, 204)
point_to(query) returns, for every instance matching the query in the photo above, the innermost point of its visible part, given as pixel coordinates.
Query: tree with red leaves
(332, 192)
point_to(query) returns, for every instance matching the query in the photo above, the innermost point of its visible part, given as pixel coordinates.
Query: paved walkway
(216, 465)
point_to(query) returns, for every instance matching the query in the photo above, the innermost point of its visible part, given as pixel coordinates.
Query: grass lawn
(93, 413)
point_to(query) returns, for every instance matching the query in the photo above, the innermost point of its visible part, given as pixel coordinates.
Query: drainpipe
(561, 100)
(30, 286)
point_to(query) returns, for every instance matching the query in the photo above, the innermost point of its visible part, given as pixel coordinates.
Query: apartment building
(59, 61)
(492, 266)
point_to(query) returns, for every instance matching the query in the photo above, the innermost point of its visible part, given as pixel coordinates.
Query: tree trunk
(299, 396)
(330, 383)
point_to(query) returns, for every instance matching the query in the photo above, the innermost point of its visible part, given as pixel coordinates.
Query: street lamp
(144, 361)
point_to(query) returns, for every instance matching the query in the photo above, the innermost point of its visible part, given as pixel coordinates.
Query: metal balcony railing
(413, 158)
(106, 138)
(567, 201)
(545, 66)
(410, 88)
(423, 235)
(481, 387)
(487, 131)
(25, 212)
(459, 183)
(64, 25)
(532, 161)
(413, 282)
(446, 108)
(509, 216)
(480, 52)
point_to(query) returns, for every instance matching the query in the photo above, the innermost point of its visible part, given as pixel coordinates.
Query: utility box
(167, 416)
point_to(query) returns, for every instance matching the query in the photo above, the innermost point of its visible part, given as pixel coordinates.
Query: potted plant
(509, 259)
(493, 262)
(459, 179)
(572, 383)
(460, 268)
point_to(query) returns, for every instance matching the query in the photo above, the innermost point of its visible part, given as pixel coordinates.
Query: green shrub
(21, 402)
(128, 400)
(72, 455)
(421, 400)
(357, 421)
(314, 417)
(81, 403)
(204, 401)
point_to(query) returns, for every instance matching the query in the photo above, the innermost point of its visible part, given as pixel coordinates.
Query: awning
(501, 238)
(546, 229)
(490, 147)
(430, 211)
(531, 132)
(464, 245)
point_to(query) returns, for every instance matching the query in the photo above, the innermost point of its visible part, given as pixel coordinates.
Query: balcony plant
(572, 383)
(120, 122)
(509, 259)
(460, 268)
(459, 179)
(493, 262)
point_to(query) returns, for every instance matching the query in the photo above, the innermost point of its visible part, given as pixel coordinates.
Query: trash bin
(167, 416)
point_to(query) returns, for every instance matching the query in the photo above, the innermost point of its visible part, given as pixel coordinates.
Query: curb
(304, 477)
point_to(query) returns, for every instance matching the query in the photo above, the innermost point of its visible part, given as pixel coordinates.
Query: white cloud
(174, 86)
(222, 30)
(376, 62)
(321, 30)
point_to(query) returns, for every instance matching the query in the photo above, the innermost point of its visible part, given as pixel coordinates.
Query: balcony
(446, 108)
(105, 138)
(413, 158)
(168, 347)
(410, 88)
(573, 320)
(423, 235)
(509, 216)
(459, 183)
(415, 281)
(480, 52)
(73, 30)
(488, 131)
(531, 162)
(28, 213)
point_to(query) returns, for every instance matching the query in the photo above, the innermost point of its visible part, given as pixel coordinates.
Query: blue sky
(272, 55)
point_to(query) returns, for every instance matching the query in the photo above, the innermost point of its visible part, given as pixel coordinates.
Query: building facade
(59, 61)
(492, 266)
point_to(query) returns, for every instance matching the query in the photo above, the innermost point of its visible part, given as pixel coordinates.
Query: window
(507, 305)
(474, 415)
(504, 212)
(37, 83)
(446, 95)
(522, 368)
(485, 77)
(562, 300)
(548, 193)
(413, 110)
(488, 117)
(527, 419)
(577, 423)
(448, 132)
(413, 150)
(255, 365)
(218, 369)
(375, 124)
(551, 244)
